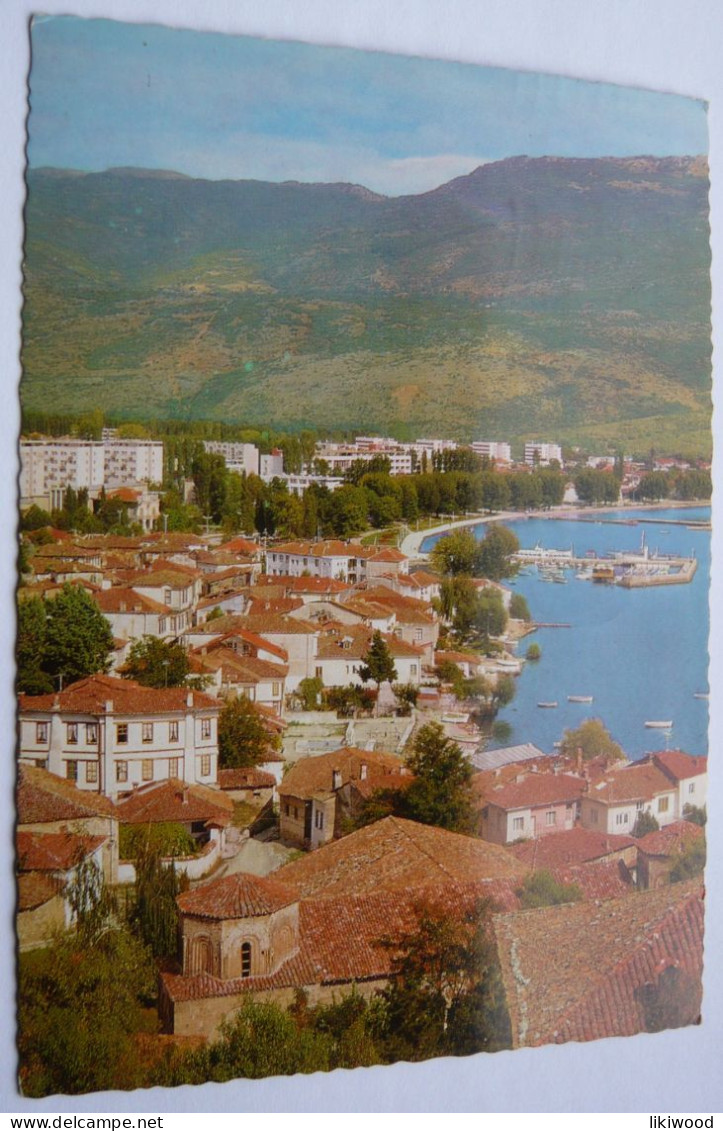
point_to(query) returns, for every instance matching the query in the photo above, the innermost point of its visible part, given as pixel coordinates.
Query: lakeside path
(412, 542)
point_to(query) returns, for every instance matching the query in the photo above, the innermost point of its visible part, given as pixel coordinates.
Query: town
(255, 785)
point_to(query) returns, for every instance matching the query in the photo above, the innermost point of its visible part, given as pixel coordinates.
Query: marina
(640, 652)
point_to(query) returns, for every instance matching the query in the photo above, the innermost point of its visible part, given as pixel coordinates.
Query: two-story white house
(109, 735)
(614, 803)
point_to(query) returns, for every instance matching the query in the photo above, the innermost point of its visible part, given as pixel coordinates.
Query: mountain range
(547, 298)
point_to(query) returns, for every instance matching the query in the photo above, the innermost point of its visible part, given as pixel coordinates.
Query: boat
(579, 698)
(701, 695)
(659, 724)
(603, 573)
(553, 703)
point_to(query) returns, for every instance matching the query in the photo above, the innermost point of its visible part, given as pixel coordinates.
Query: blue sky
(106, 93)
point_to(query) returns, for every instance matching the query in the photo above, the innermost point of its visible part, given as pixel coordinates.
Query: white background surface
(660, 44)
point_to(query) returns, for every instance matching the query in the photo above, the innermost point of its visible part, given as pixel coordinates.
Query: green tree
(243, 737)
(78, 640)
(541, 889)
(519, 609)
(593, 740)
(153, 662)
(445, 995)
(440, 793)
(377, 661)
(697, 815)
(534, 652)
(309, 691)
(689, 862)
(645, 823)
(494, 556)
(34, 518)
(30, 648)
(455, 554)
(154, 916)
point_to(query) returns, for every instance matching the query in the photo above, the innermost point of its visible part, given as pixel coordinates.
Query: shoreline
(411, 544)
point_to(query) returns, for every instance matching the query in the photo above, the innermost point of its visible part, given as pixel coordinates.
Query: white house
(109, 735)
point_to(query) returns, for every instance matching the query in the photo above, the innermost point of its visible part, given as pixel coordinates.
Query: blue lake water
(641, 653)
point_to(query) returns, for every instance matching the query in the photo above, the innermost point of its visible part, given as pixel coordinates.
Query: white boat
(701, 695)
(659, 724)
(551, 704)
(579, 698)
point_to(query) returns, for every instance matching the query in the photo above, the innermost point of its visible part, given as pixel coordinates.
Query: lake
(642, 653)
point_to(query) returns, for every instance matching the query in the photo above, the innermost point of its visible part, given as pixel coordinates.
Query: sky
(105, 93)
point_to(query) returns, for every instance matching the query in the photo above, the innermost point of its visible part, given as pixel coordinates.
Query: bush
(541, 889)
(519, 609)
(166, 838)
(534, 652)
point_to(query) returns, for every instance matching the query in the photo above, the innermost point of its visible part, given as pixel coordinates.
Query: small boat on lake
(552, 703)
(659, 724)
(701, 695)
(579, 698)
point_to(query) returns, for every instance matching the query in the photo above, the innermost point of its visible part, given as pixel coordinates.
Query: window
(205, 728)
(121, 732)
(318, 819)
(663, 804)
(147, 732)
(551, 817)
(276, 690)
(639, 805)
(621, 818)
(41, 732)
(246, 960)
(91, 733)
(286, 810)
(173, 731)
(147, 769)
(71, 770)
(593, 816)
(412, 669)
(418, 633)
(72, 729)
(691, 787)
(91, 772)
(121, 771)
(205, 765)
(518, 824)
(173, 767)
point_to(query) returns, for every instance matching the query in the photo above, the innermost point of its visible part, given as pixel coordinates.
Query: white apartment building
(241, 458)
(109, 735)
(493, 449)
(271, 466)
(49, 467)
(133, 461)
(542, 453)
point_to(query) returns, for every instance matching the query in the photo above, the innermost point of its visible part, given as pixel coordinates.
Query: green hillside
(561, 298)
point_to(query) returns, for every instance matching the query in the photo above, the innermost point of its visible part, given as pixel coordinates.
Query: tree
(243, 737)
(592, 740)
(445, 995)
(455, 554)
(79, 640)
(645, 823)
(534, 652)
(494, 555)
(30, 648)
(690, 861)
(541, 889)
(377, 661)
(439, 794)
(153, 662)
(519, 609)
(154, 916)
(309, 691)
(697, 815)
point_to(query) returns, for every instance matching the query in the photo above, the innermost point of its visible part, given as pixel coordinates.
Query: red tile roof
(307, 776)
(537, 789)
(332, 548)
(35, 889)
(573, 972)
(394, 854)
(571, 846)
(671, 839)
(122, 600)
(174, 800)
(679, 766)
(42, 798)
(53, 852)
(249, 778)
(90, 696)
(240, 896)
(641, 781)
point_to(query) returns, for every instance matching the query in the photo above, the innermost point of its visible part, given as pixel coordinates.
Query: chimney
(189, 699)
(336, 779)
(109, 706)
(185, 795)
(363, 771)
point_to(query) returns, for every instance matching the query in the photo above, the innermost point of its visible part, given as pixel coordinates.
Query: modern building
(493, 449)
(541, 454)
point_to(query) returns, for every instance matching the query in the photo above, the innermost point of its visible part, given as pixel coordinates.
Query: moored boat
(579, 698)
(552, 703)
(659, 724)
